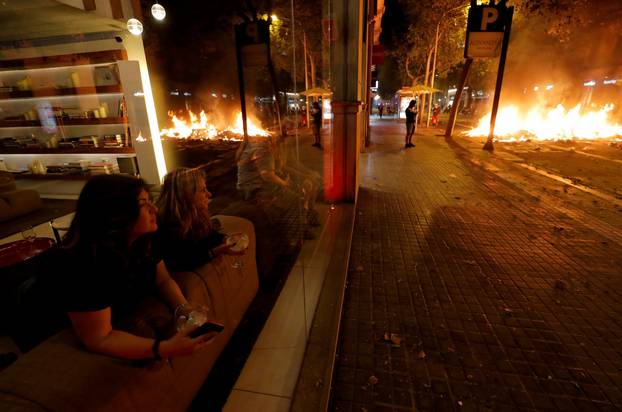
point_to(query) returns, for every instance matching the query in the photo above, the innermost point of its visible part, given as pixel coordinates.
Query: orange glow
(202, 128)
(558, 123)
(253, 129)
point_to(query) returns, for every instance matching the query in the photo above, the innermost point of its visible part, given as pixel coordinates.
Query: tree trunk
(407, 69)
(312, 63)
(433, 73)
(425, 83)
(304, 45)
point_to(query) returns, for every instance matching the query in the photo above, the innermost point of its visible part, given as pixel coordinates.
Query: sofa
(60, 375)
(15, 202)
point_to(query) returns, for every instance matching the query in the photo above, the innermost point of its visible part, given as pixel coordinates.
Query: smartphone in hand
(208, 326)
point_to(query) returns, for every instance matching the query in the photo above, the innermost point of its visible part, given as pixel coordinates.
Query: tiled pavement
(499, 300)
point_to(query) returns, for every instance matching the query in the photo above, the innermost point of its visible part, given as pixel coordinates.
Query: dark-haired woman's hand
(181, 344)
(228, 249)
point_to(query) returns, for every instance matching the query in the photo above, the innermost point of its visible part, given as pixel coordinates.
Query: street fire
(201, 128)
(252, 128)
(550, 124)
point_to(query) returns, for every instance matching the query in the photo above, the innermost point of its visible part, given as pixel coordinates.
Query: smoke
(546, 69)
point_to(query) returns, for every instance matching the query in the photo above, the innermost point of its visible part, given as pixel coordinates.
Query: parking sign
(485, 27)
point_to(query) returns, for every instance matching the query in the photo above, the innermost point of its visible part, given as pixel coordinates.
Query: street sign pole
(454, 108)
(495, 103)
(252, 49)
(238, 54)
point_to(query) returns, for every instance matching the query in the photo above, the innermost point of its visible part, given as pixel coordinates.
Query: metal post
(275, 92)
(370, 46)
(454, 108)
(304, 45)
(238, 54)
(495, 103)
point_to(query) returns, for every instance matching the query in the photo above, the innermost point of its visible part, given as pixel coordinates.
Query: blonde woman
(188, 236)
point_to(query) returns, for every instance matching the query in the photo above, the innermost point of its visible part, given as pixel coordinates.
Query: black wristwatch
(156, 349)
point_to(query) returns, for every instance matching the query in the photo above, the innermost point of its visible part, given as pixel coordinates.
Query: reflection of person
(380, 109)
(411, 121)
(264, 174)
(435, 113)
(316, 114)
(111, 266)
(186, 232)
(257, 168)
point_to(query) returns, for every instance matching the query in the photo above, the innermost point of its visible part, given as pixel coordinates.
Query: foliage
(559, 20)
(288, 32)
(389, 79)
(561, 17)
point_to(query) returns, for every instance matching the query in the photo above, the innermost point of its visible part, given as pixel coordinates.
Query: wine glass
(190, 314)
(238, 242)
(29, 234)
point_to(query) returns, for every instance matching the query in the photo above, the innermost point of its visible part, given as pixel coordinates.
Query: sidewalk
(498, 299)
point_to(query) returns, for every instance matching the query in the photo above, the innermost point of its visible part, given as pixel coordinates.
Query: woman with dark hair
(186, 229)
(110, 266)
(316, 114)
(411, 122)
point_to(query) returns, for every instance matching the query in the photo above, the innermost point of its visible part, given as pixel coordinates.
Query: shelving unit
(61, 121)
(63, 61)
(77, 150)
(67, 96)
(54, 92)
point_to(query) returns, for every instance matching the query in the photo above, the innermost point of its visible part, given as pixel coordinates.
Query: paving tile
(498, 308)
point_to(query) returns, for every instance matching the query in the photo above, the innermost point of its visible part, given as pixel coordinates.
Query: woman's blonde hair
(177, 209)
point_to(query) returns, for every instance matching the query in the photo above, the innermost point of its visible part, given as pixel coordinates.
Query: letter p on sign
(489, 15)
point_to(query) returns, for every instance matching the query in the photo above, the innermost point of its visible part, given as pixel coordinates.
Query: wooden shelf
(54, 176)
(57, 176)
(76, 59)
(52, 92)
(65, 122)
(77, 150)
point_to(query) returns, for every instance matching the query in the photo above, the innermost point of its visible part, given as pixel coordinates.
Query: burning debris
(550, 124)
(201, 128)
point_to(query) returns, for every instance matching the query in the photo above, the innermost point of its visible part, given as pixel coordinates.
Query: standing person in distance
(316, 115)
(411, 121)
(435, 113)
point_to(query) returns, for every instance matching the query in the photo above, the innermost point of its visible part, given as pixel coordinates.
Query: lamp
(135, 27)
(158, 12)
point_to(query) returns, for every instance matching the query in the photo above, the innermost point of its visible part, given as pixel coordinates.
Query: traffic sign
(485, 28)
(253, 39)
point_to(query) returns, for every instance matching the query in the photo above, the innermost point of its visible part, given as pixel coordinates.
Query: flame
(550, 124)
(252, 128)
(140, 137)
(200, 127)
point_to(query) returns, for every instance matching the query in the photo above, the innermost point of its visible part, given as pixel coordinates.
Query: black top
(95, 279)
(186, 254)
(411, 114)
(316, 114)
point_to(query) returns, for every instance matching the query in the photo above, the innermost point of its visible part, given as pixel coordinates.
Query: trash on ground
(560, 285)
(394, 338)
